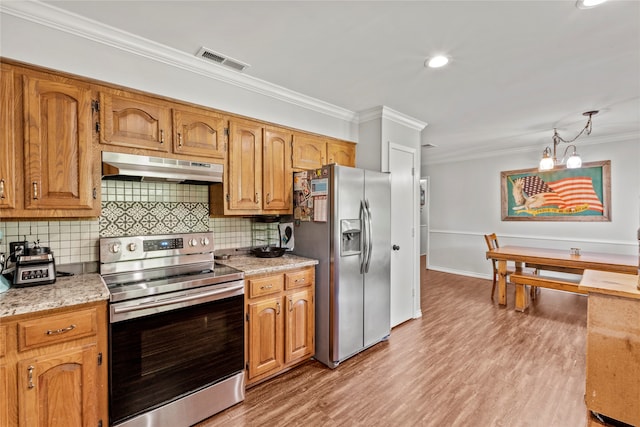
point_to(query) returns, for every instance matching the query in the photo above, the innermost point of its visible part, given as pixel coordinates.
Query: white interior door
(403, 255)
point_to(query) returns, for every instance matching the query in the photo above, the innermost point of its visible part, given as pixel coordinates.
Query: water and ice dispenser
(350, 237)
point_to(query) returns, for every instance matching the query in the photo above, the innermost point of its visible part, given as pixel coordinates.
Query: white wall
(142, 66)
(465, 205)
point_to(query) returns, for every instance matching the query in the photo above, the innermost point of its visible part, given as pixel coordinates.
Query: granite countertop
(66, 291)
(252, 265)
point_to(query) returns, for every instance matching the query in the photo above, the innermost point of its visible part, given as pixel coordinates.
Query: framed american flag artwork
(560, 194)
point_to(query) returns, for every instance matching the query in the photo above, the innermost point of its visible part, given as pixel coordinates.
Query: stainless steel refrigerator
(343, 219)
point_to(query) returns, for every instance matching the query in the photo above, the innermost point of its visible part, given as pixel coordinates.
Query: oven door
(172, 345)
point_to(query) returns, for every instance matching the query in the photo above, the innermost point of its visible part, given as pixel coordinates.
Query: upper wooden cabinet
(8, 176)
(58, 151)
(311, 152)
(277, 180)
(258, 178)
(199, 132)
(341, 153)
(244, 169)
(129, 120)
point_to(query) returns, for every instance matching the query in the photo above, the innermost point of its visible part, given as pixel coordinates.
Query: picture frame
(560, 194)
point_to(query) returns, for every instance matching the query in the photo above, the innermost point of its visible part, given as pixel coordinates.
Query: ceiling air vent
(221, 59)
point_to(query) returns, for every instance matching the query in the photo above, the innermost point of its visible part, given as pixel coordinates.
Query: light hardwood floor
(466, 362)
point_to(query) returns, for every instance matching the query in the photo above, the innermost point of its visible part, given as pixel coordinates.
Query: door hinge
(226, 132)
(95, 105)
(247, 316)
(413, 171)
(95, 193)
(247, 366)
(99, 423)
(228, 197)
(97, 127)
(99, 359)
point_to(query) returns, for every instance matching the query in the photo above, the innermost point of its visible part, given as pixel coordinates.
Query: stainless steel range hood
(146, 168)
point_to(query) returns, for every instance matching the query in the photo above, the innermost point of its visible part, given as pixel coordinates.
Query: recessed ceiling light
(588, 4)
(436, 61)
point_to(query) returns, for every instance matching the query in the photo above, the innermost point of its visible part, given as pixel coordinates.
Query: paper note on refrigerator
(320, 208)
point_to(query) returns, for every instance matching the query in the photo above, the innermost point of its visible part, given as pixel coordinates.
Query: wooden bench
(521, 279)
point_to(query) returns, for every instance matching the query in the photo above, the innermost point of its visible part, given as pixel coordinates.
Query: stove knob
(132, 247)
(193, 242)
(115, 248)
(204, 241)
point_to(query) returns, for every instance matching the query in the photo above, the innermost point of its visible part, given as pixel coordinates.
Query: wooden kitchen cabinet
(311, 152)
(59, 178)
(199, 132)
(55, 368)
(135, 121)
(280, 322)
(259, 178)
(4, 384)
(8, 175)
(341, 153)
(277, 178)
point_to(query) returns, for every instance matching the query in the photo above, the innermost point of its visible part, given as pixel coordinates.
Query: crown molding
(387, 113)
(432, 157)
(61, 20)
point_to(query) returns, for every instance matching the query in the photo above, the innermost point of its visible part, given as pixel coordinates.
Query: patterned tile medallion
(140, 218)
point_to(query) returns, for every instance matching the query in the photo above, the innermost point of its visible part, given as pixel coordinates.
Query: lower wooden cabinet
(280, 322)
(55, 368)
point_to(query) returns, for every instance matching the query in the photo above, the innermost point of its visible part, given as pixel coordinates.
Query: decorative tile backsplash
(139, 218)
(131, 208)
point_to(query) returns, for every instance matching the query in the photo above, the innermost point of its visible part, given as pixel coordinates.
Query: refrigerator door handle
(364, 238)
(369, 237)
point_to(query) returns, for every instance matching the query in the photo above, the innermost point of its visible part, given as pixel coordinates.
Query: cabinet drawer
(298, 279)
(56, 329)
(265, 285)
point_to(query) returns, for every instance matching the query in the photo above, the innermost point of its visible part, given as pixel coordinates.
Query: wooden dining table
(557, 260)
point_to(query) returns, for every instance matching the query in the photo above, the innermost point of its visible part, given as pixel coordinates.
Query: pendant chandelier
(549, 159)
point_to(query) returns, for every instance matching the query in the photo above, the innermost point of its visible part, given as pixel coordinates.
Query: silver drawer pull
(61, 331)
(266, 287)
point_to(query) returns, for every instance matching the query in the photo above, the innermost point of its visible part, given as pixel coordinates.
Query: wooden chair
(492, 243)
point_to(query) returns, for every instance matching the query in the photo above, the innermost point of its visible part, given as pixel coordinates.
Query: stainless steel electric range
(176, 332)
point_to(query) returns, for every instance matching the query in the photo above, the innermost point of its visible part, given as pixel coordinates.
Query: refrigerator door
(347, 281)
(377, 280)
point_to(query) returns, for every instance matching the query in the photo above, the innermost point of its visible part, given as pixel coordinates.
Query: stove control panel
(130, 248)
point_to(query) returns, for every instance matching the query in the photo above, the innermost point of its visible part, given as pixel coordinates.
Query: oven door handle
(119, 313)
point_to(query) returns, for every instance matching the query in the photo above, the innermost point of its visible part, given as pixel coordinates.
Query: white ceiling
(518, 68)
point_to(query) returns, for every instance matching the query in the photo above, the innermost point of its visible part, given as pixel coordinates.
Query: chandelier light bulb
(437, 61)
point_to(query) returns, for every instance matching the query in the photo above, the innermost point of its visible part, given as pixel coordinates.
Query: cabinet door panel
(132, 122)
(265, 337)
(198, 134)
(59, 390)
(245, 166)
(341, 153)
(308, 152)
(277, 184)
(299, 325)
(57, 145)
(8, 182)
